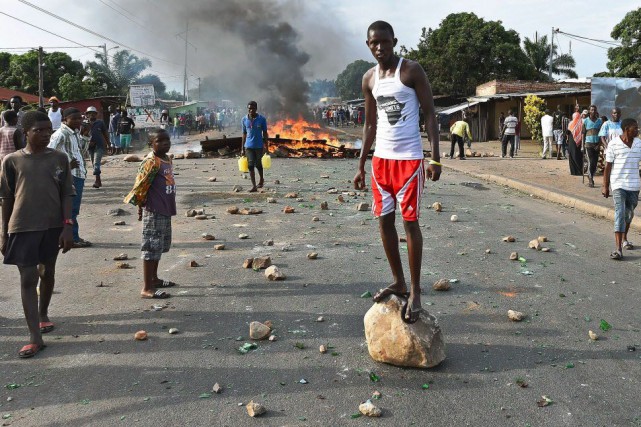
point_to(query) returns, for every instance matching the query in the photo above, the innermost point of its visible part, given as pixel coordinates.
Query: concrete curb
(551, 196)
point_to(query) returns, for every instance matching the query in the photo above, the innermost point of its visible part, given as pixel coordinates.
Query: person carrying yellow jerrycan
(266, 161)
(255, 140)
(243, 164)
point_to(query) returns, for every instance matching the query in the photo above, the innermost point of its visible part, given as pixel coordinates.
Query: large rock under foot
(390, 340)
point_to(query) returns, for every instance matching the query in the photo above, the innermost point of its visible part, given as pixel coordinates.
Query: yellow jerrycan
(243, 164)
(266, 161)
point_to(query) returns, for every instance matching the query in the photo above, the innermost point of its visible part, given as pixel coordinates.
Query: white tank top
(397, 133)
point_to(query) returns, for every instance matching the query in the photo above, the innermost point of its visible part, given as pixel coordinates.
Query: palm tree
(116, 75)
(538, 51)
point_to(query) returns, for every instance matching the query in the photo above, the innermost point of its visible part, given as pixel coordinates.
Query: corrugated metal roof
(543, 94)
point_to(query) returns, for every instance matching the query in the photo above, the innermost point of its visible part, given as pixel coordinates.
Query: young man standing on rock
(394, 91)
(254, 140)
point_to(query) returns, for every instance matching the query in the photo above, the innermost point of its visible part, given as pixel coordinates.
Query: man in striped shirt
(621, 174)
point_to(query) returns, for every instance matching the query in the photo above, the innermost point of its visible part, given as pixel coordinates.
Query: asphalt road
(94, 373)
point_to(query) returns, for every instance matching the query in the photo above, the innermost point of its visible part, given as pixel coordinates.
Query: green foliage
(115, 76)
(349, 83)
(625, 61)
(538, 52)
(465, 51)
(321, 88)
(534, 109)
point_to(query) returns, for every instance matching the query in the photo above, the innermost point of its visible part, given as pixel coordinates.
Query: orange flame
(301, 129)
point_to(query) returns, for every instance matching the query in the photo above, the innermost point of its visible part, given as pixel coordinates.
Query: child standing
(155, 189)
(36, 190)
(10, 135)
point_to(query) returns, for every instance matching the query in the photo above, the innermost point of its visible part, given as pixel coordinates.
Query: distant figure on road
(55, 113)
(501, 123)
(547, 131)
(509, 134)
(621, 175)
(394, 90)
(591, 126)
(557, 130)
(459, 130)
(254, 142)
(10, 135)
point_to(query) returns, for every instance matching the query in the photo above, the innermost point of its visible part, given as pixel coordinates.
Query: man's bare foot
(261, 183)
(398, 289)
(253, 190)
(412, 310)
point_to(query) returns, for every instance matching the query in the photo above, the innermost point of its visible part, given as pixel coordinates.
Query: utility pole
(104, 52)
(551, 54)
(41, 101)
(199, 88)
(185, 75)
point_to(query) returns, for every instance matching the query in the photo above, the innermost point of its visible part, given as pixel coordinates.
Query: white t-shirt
(546, 125)
(510, 125)
(625, 164)
(56, 118)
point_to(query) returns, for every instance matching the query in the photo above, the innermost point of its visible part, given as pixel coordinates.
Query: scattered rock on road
(369, 409)
(324, 206)
(454, 218)
(115, 212)
(322, 349)
(140, 336)
(232, 210)
(259, 331)
(437, 206)
(255, 409)
(193, 263)
(515, 316)
(273, 273)
(208, 236)
(514, 256)
(509, 239)
(123, 265)
(261, 262)
(243, 236)
(217, 388)
(312, 255)
(441, 285)
(219, 247)
(593, 336)
(248, 263)
(291, 196)
(120, 223)
(212, 179)
(288, 210)
(271, 200)
(542, 239)
(534, 244)
(173, 331)
(131, 158)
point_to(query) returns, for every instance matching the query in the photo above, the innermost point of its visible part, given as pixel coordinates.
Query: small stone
(269, 324)
(437, 206)
(259, 331)
(255, 409)
(534, 244)
(120, 223)
(315, 219)
(173, 331)
(272, 338)
(190, 213)
(364, 207)
(237, 189)
(243, 236)
(262, 262)
(320, 319)
(121, 257)
(140, 336)
(332, 191)
(300, 199)
(273, 273)
(454, 218)
(123, 265)
(340, 199)
(208, 236)
(324, 206)
(545, 249)
(271, 200)
(322, 349)
(369, 409)
(248, 263)
(593, 336)
(514, 256)
(269, 242)
(217, 388)
(542, 239)
(441, 285)
(515, 316)
(232, 210)
(276, 182)
(488, 251)
(131, 158)
(220, 247)
(312, 255)
(325, 176)
(193, 263)
(288, 210)
(291, 196)
(212, 179)
(115, 212)
(510, 239)
(200, 217)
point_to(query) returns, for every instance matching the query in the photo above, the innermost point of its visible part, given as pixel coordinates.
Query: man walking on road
(621, 174)
(459, 130)
(591, 126)
(548, 133)
(509, 134)
(394, 90)
(254, 141)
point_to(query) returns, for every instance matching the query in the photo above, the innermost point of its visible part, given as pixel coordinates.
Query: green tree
(465, 51)
(117, 75)
(533, 110)
(172, 95)
(349, 83)
(321, 88)
(538, 53)
(625, 61)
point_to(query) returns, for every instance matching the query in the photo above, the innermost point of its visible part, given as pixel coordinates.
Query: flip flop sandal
(385, 292)
(30, 350)
(628, 245)
(404, 312)
(616, 255)
(46, 327)
(157, 295)
(166, 284)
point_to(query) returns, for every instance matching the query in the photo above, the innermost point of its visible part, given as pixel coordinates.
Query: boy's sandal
(157, 295)
(616, 255)
(166, 284)
(628, 245)
(46, 327)
(30, 350)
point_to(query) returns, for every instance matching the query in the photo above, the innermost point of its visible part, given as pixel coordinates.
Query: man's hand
(65, 241)
(3, 244)
(359, 180)
(139, 213)
(433, 172)
(73, 164)
(605, 191)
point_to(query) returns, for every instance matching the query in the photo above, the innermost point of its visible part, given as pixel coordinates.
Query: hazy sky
(331, 32)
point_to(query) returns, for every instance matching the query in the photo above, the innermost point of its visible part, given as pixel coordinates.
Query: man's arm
(424, 93)
(369, 130)
(7, 210)
(605, 189)
(242, 143)
(266, 138)
(469, 134)
(17, 139)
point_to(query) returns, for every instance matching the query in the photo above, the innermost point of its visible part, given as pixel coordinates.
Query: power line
(48, 47)
(53, 15)
(119, 12)
(610, 42)
(586, 42)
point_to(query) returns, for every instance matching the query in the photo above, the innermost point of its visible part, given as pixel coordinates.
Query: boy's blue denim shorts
(625, 201)
(156, 235)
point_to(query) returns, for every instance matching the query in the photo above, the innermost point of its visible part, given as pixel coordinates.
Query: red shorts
(399, 181)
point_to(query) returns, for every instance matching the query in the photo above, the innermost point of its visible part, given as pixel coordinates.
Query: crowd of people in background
(339, 116)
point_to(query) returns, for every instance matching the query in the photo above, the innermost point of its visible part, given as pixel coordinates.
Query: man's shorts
(397, 181)
(114, 139)
(558, 136)
(254, 158)
(125, 140)
(625, 201)
(31, 248)
(156, 235)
